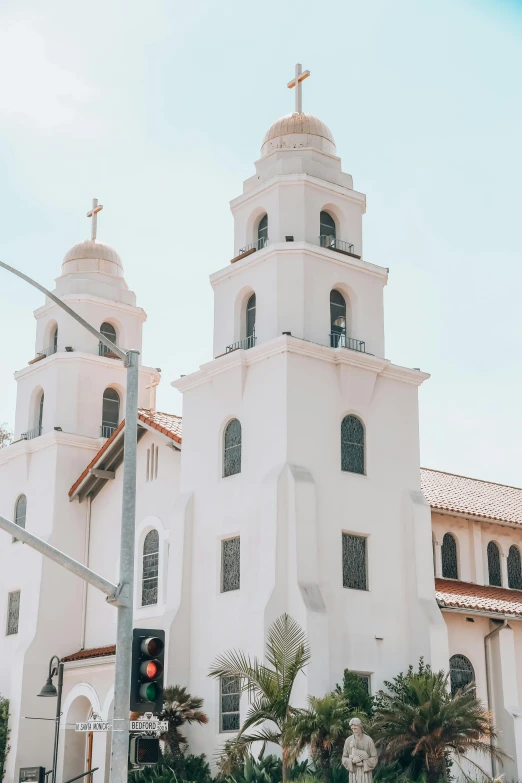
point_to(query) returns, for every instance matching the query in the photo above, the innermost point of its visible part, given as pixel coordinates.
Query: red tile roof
(472, 496)
(167, 423)
(479, 598)
(94, 652)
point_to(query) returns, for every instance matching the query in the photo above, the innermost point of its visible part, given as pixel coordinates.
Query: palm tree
(180, 707)
(419, 723)
(270, 686)
(323, 727)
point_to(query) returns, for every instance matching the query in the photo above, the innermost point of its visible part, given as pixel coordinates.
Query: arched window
(461, 673)
(149, 581)
(337, 319)
(448, 551)
(262, 232)
(20, 512)
(352, 445)
(495, 575)
(232, 450)
(108, 331)
(327, 230)
(54, 344)
(40, 413)
(251, 322)
(110, 412)
(514, 568)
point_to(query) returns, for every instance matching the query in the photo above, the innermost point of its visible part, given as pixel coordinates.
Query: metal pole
(58, 716)
(122, 674)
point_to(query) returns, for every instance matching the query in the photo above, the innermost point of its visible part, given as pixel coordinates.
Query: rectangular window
(13, 612)
(230, 695)
(354, 562)
(366, 681)
(230, 564)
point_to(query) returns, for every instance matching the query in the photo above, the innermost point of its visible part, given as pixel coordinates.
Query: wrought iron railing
(106, 430)
(34, 433)
(245, 344)
(104, 350)
(48, 351)
(342, 341)
(336, 244)
(259, 244)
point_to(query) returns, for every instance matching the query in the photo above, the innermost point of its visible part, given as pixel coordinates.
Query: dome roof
(92, 256)
(298, 130)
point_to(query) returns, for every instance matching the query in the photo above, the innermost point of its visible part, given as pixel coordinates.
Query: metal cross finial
(296, 82)
(94, 215)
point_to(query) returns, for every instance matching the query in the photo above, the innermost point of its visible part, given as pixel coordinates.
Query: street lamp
(49, 690)
(121, 595)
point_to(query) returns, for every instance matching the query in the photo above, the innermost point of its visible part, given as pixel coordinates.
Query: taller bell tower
(301, 440)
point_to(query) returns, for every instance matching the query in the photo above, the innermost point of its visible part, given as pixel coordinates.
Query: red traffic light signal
(148, 652)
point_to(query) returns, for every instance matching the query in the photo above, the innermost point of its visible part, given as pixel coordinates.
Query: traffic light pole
(121, 595)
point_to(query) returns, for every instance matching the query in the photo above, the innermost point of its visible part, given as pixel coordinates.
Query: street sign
(95, 724)
(149, 724)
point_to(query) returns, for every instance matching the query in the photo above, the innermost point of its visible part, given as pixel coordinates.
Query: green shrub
(266, 769)
(4, 734)
(356, 694)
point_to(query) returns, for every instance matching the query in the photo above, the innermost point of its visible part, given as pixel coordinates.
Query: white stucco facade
(291, 380)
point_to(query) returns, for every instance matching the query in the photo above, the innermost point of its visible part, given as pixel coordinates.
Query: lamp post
(123, 598)
(49, 690)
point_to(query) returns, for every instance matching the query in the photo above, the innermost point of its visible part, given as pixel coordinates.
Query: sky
(158, 109)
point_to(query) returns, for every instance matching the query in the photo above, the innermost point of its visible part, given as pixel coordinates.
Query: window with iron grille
(514, 568)
(354, 562)
(495, 575)
(448, 552)
(352, 445)
(149, 583)
(13, 612)
(230, 564)
(230, 696)
(232, 450)
(461, 672)
(20, 513)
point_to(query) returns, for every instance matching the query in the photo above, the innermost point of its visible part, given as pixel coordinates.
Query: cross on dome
(94, 215)
(296, 82)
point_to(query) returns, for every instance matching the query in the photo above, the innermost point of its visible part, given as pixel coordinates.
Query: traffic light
(144, 750)
(148, 653)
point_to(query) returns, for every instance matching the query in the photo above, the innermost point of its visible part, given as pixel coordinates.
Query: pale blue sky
(158, 109)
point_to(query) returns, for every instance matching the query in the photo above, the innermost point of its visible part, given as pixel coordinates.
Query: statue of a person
(359, 754)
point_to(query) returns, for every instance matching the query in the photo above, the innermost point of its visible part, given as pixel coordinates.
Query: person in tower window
(359, 754)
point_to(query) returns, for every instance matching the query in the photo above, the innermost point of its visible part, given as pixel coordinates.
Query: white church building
(292, 483)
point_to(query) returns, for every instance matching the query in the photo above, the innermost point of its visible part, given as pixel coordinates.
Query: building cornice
(479, 613)
(105, 660)
(293, 345)
(292, 179)
(71, 356)
(468, 516)
(91, 299)
(296, 248)
(49, 439)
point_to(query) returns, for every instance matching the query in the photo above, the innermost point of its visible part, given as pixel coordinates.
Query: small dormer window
(262, 232)
(109, 332)
(327, 230)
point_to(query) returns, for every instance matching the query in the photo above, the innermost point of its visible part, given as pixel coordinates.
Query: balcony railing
(259, 244)
(248, 342)
(104, 350)
(106, 430)
(48, 351)
(30, 434)
(342, 341)
(332, 243)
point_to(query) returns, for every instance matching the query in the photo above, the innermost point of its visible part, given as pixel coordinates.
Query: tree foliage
(6, 436)
(420, 724)
(270, 686)
(179, 707)
(356, 694)
(4, 734)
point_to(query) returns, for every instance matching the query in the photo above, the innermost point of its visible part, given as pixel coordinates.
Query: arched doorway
(76, 744)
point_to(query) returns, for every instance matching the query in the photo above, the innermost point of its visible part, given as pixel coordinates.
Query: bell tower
(73, 383)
